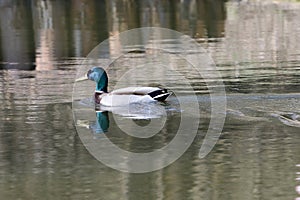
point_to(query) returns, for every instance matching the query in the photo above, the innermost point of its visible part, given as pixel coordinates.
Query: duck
(123, 96)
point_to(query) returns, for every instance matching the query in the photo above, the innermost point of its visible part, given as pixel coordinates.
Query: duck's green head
(98, 75)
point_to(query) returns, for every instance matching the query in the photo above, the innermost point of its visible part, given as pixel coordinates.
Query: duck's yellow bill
(83, 78)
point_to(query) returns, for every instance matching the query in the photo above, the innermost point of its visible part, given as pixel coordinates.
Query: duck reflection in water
(139, 113)
(102, 122)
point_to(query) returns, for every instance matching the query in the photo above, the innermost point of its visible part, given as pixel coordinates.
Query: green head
(98, 75)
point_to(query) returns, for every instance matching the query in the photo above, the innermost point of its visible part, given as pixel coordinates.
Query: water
(256, 48)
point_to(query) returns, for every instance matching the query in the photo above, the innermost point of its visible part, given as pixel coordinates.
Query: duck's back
(156, 93)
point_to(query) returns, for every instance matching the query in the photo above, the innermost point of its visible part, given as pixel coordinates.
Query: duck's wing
(156, 93)
(135, 90)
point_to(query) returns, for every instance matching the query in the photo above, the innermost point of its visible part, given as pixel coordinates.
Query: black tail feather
(159, 95)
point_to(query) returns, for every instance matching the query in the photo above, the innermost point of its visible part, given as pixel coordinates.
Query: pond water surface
(256, 48)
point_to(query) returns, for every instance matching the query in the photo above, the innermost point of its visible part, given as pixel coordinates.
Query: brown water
(256, 47)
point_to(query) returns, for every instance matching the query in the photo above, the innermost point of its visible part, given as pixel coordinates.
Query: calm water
(256, 47)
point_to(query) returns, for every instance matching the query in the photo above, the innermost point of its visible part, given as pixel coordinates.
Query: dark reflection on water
(36, 33)
(256, 48)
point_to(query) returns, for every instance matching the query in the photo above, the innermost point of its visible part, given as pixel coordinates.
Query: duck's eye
(89, 72)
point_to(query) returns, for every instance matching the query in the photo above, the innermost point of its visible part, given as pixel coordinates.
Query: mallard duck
(123, 96)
